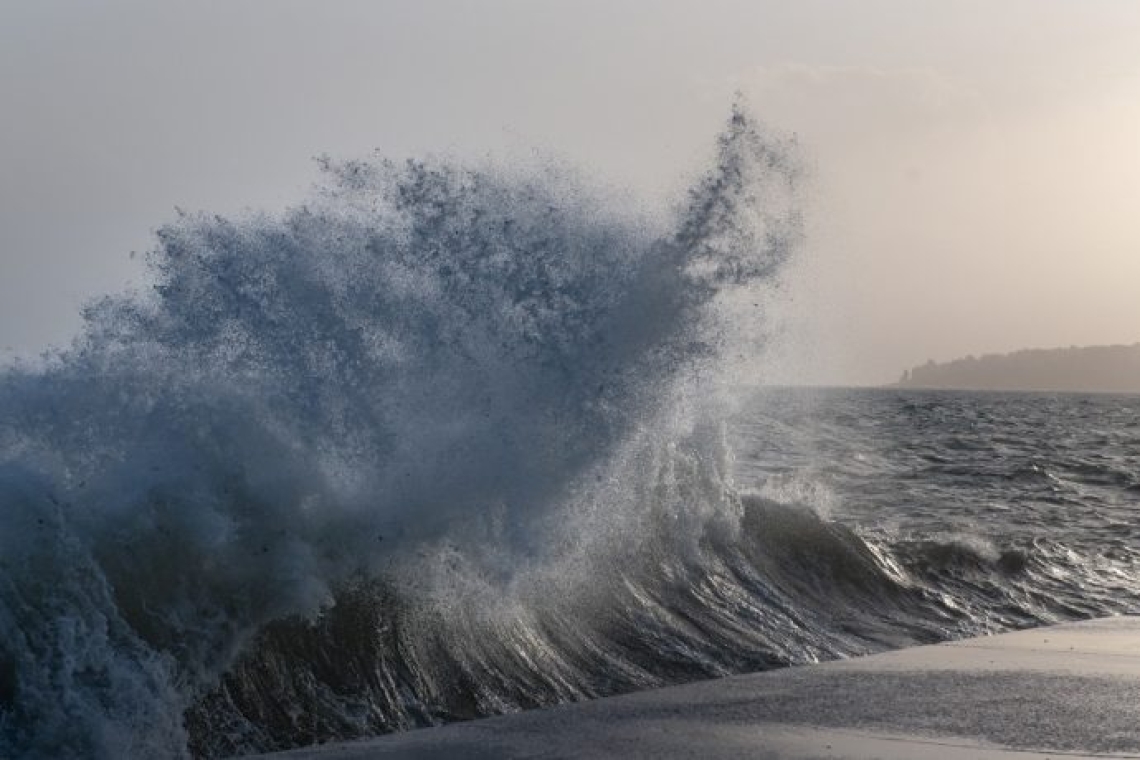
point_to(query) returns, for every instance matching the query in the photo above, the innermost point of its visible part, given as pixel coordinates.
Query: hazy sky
(976, 164)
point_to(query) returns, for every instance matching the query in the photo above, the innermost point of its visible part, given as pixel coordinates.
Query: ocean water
(861, 520)
(451, 441)
(1003, 509)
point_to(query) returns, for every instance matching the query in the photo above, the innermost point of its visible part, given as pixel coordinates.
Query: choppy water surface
(1008, 509)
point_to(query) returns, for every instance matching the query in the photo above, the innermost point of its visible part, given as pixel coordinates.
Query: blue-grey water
(446, 442)
(1007, 509)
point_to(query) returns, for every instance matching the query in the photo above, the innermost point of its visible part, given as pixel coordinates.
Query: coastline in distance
(1090, 369)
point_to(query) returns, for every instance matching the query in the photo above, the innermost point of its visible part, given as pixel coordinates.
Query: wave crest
(471, 383)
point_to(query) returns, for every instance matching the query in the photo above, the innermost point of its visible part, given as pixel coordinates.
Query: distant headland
(1093, 369)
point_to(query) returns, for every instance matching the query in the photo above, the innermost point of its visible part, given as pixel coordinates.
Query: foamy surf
(431, 406)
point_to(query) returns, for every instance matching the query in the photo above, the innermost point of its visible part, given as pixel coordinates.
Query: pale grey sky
(976, 162)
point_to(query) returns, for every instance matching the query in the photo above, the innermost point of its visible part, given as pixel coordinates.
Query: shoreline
(1068, 689)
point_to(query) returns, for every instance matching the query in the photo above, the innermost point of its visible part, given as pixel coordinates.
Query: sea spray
(449, 421)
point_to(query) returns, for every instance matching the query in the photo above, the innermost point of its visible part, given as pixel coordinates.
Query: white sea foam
(484, 374)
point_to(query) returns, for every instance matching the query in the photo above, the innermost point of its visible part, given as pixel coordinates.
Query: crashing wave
(459, 409)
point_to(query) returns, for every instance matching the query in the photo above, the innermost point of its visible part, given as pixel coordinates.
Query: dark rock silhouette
(1097, 369)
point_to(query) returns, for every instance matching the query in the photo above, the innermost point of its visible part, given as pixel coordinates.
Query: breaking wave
(436, 418)
(446, 442)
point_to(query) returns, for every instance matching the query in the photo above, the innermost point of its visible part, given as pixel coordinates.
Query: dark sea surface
(446, 442)
(1005, 509)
